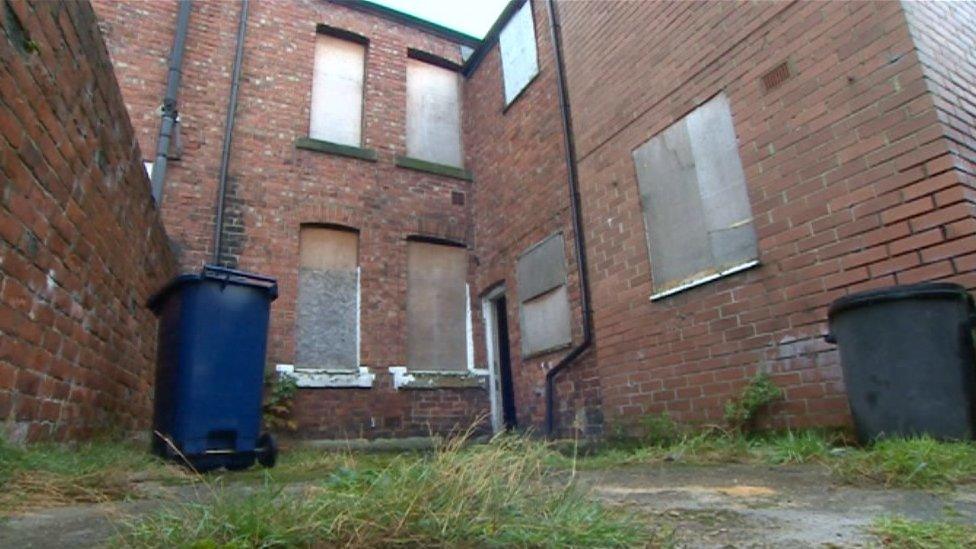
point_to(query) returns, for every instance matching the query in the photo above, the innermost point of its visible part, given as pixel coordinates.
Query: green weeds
(49, 475)
(910, 463)
(742, 411)
(497, 494)
(909, 534)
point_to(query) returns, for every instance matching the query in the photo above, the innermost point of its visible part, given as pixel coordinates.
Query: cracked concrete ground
(706, 506)
(767, 506)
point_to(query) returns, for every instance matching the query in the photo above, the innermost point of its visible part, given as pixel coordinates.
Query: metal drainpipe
(229, 132)
(170, 114)
(579, 241)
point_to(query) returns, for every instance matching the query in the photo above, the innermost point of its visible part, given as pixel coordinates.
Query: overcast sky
(472, 17)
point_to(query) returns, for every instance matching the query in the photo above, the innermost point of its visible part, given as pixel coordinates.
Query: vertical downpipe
(170, 112)
(579, 240)
(228, 134)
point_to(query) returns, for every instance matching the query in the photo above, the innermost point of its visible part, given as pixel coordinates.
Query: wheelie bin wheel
(267, 450)
(240, 461)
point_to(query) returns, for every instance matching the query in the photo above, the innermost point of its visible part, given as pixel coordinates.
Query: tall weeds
(497, 494)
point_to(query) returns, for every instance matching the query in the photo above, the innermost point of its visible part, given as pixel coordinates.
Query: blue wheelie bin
(213, 331)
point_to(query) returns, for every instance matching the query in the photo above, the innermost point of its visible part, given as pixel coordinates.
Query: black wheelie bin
(908, 360)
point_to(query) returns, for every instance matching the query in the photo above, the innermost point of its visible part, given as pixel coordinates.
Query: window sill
(329, 147)
(315, 378)
(433, 167)
(705, 280)
(419, 379)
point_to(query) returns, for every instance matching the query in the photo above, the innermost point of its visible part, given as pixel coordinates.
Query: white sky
(472, 17)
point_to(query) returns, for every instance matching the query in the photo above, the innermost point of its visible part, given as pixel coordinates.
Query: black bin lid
(214, 272)
(924, 290)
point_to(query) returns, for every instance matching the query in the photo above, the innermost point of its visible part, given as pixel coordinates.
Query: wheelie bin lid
(924, 290)
(214, 272)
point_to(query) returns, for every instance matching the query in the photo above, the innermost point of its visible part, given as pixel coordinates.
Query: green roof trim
(411, 21)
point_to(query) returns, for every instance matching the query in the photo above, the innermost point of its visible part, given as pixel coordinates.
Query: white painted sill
(316, 378)
(705, 280)
(437, 379)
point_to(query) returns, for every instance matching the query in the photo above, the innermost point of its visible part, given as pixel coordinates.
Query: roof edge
(395, 16)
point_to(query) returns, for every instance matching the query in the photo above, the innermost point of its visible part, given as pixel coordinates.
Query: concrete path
(761, 506)
(713, 506)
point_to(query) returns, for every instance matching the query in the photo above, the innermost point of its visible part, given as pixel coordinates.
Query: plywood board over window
(436, 307)
(337, 91)
(520, 58)
(544, 301)
(433, 113)
(328, 299)
(695, 202)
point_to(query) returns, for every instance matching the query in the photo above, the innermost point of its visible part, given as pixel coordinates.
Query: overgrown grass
(498, 494)
(706, 448)
(910, 463)
(908, 534)
(309, 464)
(49, 475)
(795, 447)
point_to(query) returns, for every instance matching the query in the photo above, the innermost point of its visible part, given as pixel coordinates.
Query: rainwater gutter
(170, 114)
(578, 240)
(229, 133)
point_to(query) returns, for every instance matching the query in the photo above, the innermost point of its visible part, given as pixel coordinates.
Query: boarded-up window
(337, 91)
(436, 307)
(696, 206)
(433, 113)
(328, 299)
(520, 61)
(545, 315)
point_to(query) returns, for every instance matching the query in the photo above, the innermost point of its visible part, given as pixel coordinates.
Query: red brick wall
(274, 187)
(81, 244)
(139, 37)
(850, 176)
(522, 197)
(945, 37)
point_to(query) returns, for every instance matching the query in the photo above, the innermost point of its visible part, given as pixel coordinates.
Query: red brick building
(601, 210)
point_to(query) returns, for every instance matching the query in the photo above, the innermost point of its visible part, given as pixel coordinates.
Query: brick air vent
(779, 74)
(457, 198)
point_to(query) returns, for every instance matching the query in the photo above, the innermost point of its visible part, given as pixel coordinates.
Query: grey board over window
(520, 57)
(694, 199)
(328, 299)
(544, 312)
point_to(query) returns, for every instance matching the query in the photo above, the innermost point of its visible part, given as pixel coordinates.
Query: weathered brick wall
(274, 187)
(81, 243)
(522, 197)
(850, 176)
(945, 40)
(139, 37)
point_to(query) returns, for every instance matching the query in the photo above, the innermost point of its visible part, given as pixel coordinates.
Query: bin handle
(225, 274)
(830, 338)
